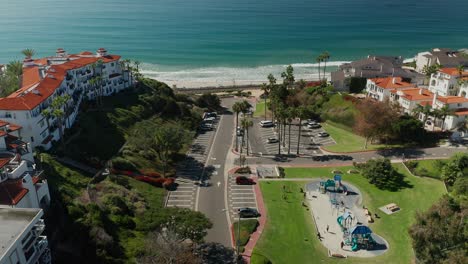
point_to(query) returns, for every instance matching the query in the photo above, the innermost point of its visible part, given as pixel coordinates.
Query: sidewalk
(262, 221)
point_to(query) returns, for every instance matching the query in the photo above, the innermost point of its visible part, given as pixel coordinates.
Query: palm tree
(237, 108)
(291, 115)
(318, 60)
(246, 124)
(57, 106)
(301, 113)
(325, 56)
(444, 112)
(281, 115)
(425, 110)
(266, 91)
(28, 53)
(436, 114)
(47, 114)
(460, 69)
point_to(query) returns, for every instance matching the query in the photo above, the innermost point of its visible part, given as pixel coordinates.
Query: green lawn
(426, 168)
(260, 109)
(346, 140)
(289, 236)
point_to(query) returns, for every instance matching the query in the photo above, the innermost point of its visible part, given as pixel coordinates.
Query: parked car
(243, 180)
(314, 126)
(209, 119)
(266, 123)
(272, 140)
(323, 134)
(239, 132)
(206, 127)
(248, 212)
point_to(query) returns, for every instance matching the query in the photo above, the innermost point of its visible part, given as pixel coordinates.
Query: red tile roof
(453, 72)
(417, 94)
(26, 99)
(11, 192)
(461, 112)
(389, 83)
(452, 99)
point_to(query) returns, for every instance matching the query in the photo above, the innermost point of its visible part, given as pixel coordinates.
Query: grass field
(289, 236)
(427, 168)
(346, 140)
(260, 109)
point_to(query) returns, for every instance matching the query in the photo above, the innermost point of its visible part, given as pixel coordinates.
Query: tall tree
(57, 110)
(237, 108)
(28, 53)
(325, 57)
(429, 70)
(291, 115)
(288, 77)
(439, 234)
(374, 119)
(266, 91)
(302, 113)
(424, 110)
(246, 124)
(444, 112)
(319, 60)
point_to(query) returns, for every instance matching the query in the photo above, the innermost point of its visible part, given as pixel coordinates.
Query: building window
(44, 134)
(41, 124)
(32, 139)
(7, 114)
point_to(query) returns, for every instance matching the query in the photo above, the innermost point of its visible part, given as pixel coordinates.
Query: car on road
(266, 123)
(313, 126)
(248, 212)
(272, 140)
(243, 180)
(323, 134)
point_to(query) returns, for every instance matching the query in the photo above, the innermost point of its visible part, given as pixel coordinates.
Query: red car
(242, 180)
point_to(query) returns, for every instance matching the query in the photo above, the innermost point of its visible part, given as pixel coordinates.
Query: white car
(266, 123)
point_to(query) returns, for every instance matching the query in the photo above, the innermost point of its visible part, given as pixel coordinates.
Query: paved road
(439, 152)
(212, 199)
(189, 172)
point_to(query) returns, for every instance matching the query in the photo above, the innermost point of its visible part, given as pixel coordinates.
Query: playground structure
(357, 236)
(333, 185)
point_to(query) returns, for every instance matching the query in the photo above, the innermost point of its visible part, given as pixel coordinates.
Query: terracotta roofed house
(381, 88)
(46, 78)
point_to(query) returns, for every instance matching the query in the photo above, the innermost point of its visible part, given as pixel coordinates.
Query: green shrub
(123, 164)
(247, 227)
(120, 180)
(412, 164)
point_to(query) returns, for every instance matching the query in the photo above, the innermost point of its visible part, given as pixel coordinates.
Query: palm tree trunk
(265, 108)
(289, 139)
(319, 71)
(365, 144)
(279, 138)
(247, 144)
(284, 133)
(324, 68)
(237, 125)
(299, 136)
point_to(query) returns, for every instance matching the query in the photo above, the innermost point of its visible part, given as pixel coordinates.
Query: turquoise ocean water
(231, 40)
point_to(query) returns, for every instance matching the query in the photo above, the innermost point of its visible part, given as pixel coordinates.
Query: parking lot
(189, 171)
(308, 145)
(239, 196)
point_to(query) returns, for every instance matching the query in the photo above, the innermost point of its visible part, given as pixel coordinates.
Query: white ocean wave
(228, 76)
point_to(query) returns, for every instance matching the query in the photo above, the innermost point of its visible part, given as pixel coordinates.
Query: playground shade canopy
(346, 215)
(360, 230)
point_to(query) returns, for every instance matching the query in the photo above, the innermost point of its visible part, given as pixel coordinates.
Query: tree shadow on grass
(396, 183)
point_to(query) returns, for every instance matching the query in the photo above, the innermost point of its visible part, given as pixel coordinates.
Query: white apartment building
(463, 87)
(459, 106)
(409, 99)
(46, 78)
(21, 184)
(381, 89)
(445, 82)
(441, 56)
(21, 239)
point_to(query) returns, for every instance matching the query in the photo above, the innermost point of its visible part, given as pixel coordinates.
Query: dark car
(314, 126)
(243, 180)
(248, 212)
(272, 140)
(323, 134)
